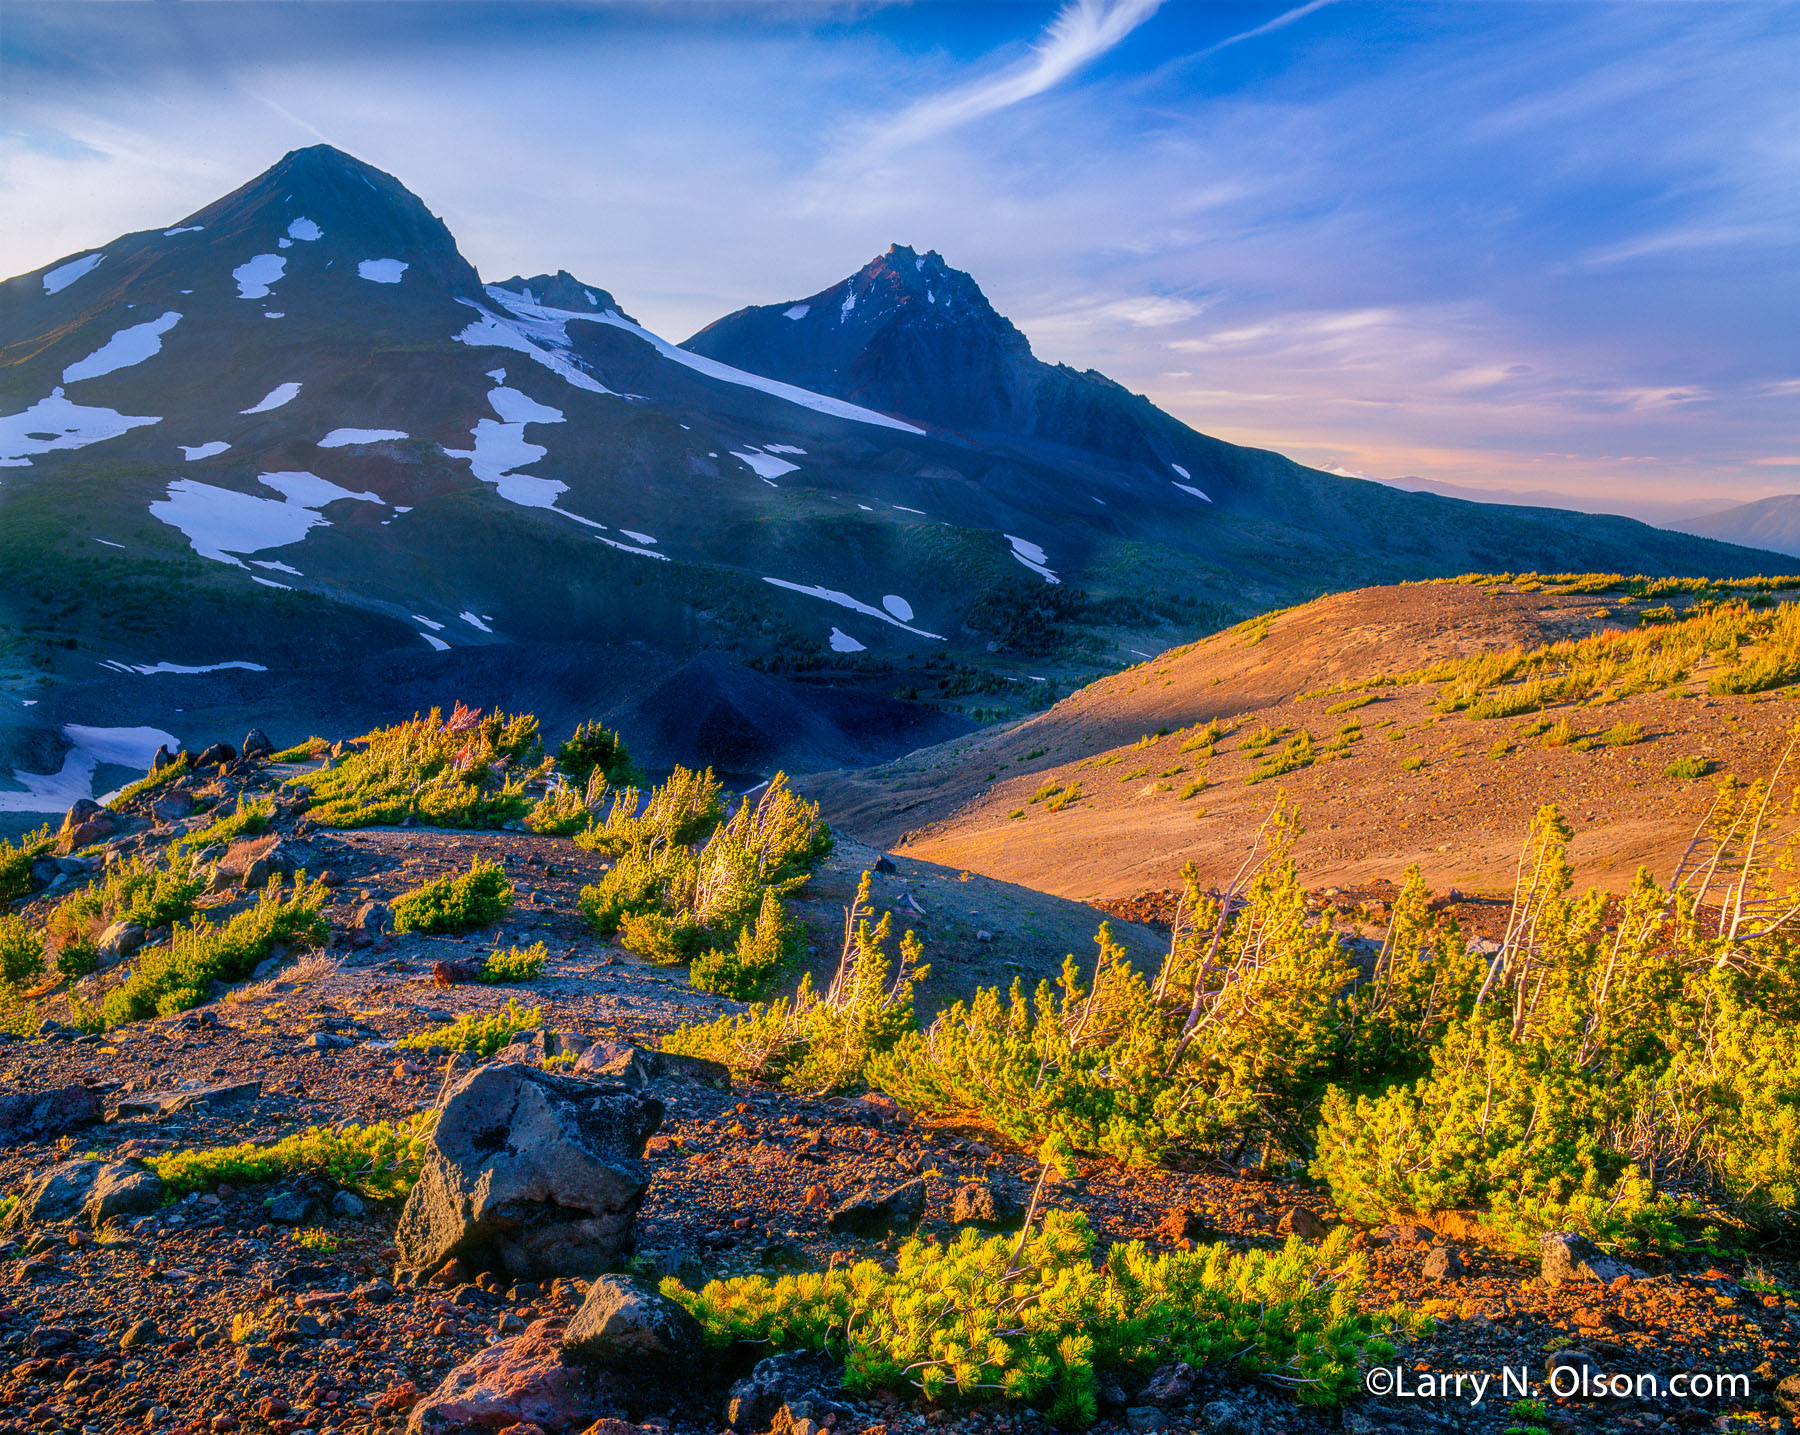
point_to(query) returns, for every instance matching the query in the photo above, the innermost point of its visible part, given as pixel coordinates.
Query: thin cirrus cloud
(1081, 33)
(1488, 244)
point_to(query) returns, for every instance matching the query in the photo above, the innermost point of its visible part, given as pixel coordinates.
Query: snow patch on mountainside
(382, 271)
(844, 600)
(190, 452)
(842, 642)
(798, 311)
(254, 276)
(501, 449)
(766, 465)
(59, 423)
(1033, 557)
(183, 229)
(899, 607)
(274, 399)
(148, 669)
(221, 523)
(60, 278)
(342, 438)
(1189, 488)
(54, 792)
(438, 643)
(537, 341)
(474, 621)
(1180, 470)
(125, 348)
(305, 229)
(548, 322)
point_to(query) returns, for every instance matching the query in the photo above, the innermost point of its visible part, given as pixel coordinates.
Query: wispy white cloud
(1081, 32)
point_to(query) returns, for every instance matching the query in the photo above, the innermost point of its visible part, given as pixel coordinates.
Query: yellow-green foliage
(515, 964)
(1684, 768)
(1064, 798)
(462, 771)
(381, 1160)
(246, 820)
(177, 975)
(683, 810)
(1623, 734)
(1351, 704)
(1236, 1037)
(151, 781)
(986, 1319)
(453, 904)
(21, 953)
(1296, 754)
(15, 863)
(561, 812)
(481, 1036)
(592, 749)
(302, 751)
(812, 1043)
(744, 971)
(139, 890)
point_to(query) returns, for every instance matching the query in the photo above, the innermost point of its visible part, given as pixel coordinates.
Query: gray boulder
(1566, 1256)
(257, 744)
(118, 942)
(622, 1323)
(872, 1212)
(95, 1191)
(531, 1173)
(32, 1115)
(995, 1204)
(639, 1067)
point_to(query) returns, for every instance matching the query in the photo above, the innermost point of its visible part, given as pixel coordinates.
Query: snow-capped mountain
(289, 457)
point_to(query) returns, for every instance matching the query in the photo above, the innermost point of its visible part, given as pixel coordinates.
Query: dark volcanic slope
(295, 434)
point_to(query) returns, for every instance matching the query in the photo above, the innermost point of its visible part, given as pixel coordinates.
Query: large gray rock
(530, 1172)
(639, 1067)
(95, 1191)
(189, 1098)
(33, 1115)
(117, 943)
(525, 1381)
(122, 1188)
(1566, 1256)
(621, 1323)
(873, 1212)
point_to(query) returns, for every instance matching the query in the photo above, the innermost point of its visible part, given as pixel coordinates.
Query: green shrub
(16, 860)
(657, 937)
(476, 898)
(381, 1160)
(635, 883)
(151, 781)
(560, 812)
(77, 956)
(683, 810)
(1068, 795)
(1297, 754)
(590, 749)
(1510, 702)
(462, 771)
(1034, 1321)
(1623, 734)
(515, 964)
(1351, 704)
(1411, 764)
(21, 953)
(246, 820)
(745, 970)
(302, 751)
(1192, 789)
(812, 1043)
(480, 1036)
(177, 976)
(1684, 768)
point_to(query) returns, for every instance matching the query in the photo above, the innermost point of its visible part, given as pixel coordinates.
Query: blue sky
(1524, 246)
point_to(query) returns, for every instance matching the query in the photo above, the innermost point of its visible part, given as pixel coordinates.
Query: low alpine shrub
(15, 863)
(381, 1160)
(1033, 1320)
(480, 1036)
(453, 904)
(745, 970)
(515, 964)
(21, 953)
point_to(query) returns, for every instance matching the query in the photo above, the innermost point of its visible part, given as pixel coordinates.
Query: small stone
(138, 1334)
(995, 1204)
(1170, 1385)
(1441, 1263)
(622, 1323)
(347, 1203)
(1566, 1256)
(872, 1212)
(1145, 1417)
(1787, 1394)
(1298, 1221)
(292, 1208)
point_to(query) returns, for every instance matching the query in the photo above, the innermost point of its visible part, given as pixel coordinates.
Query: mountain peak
(562, 290)
(321, 191)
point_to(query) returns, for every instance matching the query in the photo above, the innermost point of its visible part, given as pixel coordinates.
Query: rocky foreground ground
(292, 1306)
